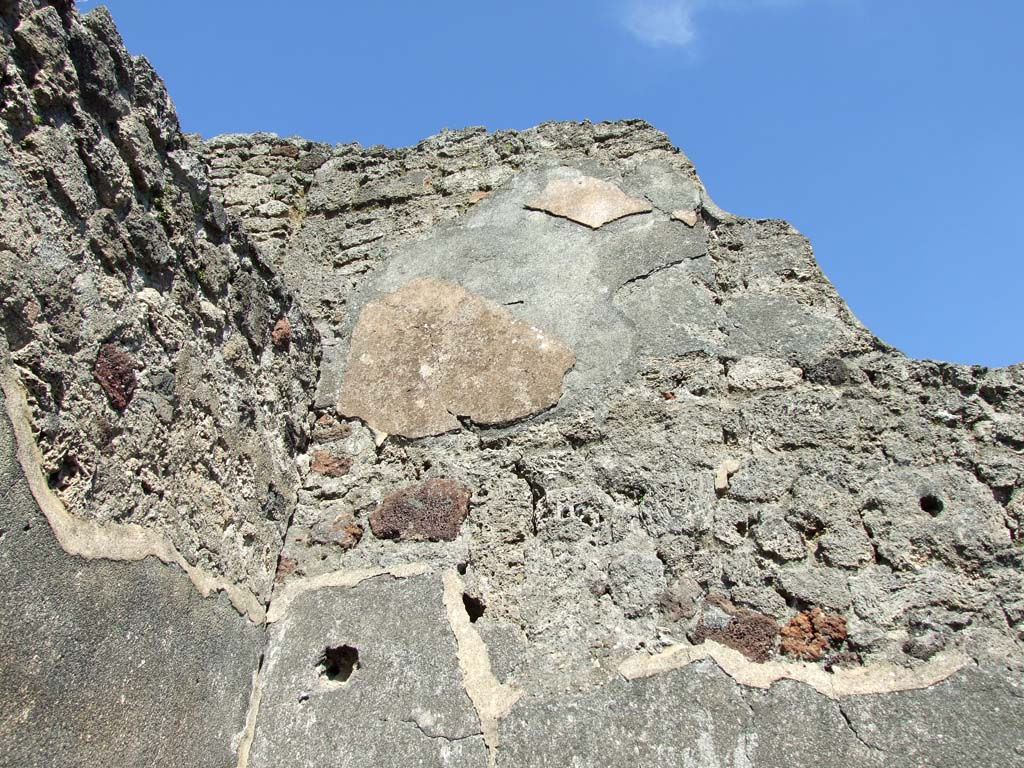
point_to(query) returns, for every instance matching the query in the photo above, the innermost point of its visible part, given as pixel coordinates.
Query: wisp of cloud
(671, 22)
(661, 22)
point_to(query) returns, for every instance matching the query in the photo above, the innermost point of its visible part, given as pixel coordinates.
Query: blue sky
(890, 132)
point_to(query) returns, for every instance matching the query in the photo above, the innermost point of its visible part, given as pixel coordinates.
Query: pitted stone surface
(431, 511)
(432, 352)
(588, 201)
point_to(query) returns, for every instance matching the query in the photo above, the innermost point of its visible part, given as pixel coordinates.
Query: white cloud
(672, 22)
(661, 22)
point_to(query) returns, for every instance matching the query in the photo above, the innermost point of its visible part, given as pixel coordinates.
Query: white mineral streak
(292, 588)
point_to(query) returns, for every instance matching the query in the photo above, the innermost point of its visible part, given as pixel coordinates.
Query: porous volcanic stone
(431, 352)
(432, 511)
(282, 333)
(679, 601)
(749, 632)
(588, 201)
(810, 633)
(115, 371)
(326, 463)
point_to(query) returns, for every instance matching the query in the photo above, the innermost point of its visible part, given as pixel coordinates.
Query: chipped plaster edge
(857, 681)
(99, 541)
(291, 589)
(491, 699)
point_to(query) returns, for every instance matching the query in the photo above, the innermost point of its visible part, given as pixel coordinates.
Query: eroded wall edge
(98, 541)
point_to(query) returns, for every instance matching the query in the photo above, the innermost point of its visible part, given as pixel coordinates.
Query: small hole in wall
(931, 504)
(61, 477)
(474, 606)
(338, 663)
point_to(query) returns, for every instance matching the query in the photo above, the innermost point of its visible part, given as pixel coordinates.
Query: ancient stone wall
(503, 449)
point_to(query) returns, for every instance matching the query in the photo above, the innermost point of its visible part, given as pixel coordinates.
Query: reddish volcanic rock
(326, 463)
(343, 531)
(810, 634)
(114, 369)
(282, 333)
(749, 632)
(431, 511)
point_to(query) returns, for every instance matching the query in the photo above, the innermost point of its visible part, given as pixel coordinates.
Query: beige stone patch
(431, 352)
(756, 373)
(725, 470)
(588, 201)
(688, 217)
(491, 699)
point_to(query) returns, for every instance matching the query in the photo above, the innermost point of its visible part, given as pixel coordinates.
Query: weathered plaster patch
(431, 352)
(292, 588)
(587, 201)
(492, 700)
(99, 541)
(857, 681)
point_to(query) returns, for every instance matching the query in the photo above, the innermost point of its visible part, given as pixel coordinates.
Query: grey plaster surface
(404, 704)
(554, 273)
(697, 716)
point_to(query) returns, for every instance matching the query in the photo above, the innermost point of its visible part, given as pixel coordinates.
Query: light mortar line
(111, 541)
(292, 588)
(857, 681)
(491, 699)
(248, 734)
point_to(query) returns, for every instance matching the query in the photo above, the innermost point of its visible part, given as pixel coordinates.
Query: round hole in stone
(931, 504)
(338, 663)
(474, 606)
